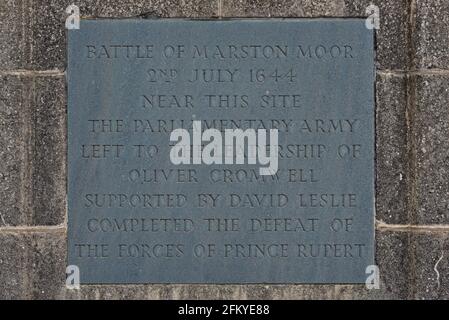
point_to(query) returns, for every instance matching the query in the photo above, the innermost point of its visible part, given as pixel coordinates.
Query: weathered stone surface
(46, 263)
(391, 37)
(158, 8)
(48, 26)
(391, 149)
(430, 34)
(431, 252)
(13, 265)
(202, 292)
(48, 33)
(393, 260)
(32, 166)
(284, 8)
(431, 132)
(13, 48)
(156, 291)
(49, 150)
(14, 139)
(281, 292)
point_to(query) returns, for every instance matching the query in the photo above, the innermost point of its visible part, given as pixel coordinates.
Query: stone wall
(412, 143)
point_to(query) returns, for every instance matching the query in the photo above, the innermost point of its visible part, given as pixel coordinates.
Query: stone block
(46, 263)
(14, 49)
(33, 150)
(431, 134)
(13, 267)
(15, 136)
(391, 149)
(431, 43)
(49, 150)
(431, 255)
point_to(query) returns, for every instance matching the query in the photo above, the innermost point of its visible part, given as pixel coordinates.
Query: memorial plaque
(236, 151)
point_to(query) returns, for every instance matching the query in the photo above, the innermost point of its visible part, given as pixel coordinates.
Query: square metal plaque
(235, 151)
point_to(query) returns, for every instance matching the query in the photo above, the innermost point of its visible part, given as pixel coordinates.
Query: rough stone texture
(32, 150)
(391, 149)
(13, 266)
(391, 37)
(13, 48)
(32, 265)
(49, 150)
(393, 260)
(158, 8)
(46, 263)
(48, 36)
(431, 274)
(284, 8)
(431, 132)
(14, 138)
(430, 35)
(203, 292)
